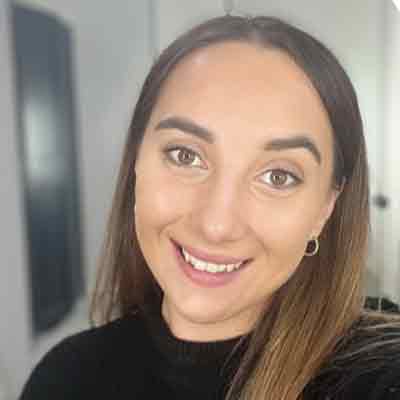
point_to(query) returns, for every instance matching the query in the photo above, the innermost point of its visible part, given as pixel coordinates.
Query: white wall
(14, 321)
(173, 17)
(111, 65)
(391, 186)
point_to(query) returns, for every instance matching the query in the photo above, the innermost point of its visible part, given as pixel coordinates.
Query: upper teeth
(207, 266)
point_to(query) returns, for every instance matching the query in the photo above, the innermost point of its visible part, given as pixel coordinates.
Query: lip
(216, 259)
(203, 278)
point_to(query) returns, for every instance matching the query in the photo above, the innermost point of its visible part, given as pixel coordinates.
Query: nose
(219, 212)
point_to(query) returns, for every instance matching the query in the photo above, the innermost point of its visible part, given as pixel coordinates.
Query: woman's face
(235, 164)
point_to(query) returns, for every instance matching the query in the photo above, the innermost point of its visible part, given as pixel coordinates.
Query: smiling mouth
(181, 251)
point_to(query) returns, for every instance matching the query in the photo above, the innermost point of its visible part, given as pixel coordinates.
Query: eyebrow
(188, 126)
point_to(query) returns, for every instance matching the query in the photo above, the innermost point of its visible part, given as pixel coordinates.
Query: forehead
(237, 86)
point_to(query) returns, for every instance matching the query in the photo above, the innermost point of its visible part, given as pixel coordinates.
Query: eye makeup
(170, 150)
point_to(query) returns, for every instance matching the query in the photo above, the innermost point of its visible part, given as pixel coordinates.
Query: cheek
(161, 188)
(160, 200)
(284, 227)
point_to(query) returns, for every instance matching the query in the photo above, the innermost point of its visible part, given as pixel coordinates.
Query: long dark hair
(317, 307)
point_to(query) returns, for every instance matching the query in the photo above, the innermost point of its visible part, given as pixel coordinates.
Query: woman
(236, 271)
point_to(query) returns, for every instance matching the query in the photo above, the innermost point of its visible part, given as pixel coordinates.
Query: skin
(229, 199)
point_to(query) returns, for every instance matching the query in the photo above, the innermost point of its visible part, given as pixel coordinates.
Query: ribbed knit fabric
(193, 367)
(137, 357)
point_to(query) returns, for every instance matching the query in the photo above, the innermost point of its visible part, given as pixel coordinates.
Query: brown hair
(313, 313)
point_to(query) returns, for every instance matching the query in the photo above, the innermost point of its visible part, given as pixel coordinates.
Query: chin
(201, 311)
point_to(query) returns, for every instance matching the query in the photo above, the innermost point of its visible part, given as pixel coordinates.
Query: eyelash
(167, 153)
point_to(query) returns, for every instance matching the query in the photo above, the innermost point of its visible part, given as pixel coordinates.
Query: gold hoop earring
(315, 250)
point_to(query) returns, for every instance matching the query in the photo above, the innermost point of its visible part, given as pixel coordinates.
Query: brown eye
(281, 179)
(182, 156)
(185, 156)
(278, 178)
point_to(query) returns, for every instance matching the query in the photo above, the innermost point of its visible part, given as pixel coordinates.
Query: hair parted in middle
(315, 308)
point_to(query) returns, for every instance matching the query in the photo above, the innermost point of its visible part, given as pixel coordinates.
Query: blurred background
(70, 73)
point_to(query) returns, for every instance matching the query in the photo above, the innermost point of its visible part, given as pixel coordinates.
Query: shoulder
(379, 383)
(376, 347)
(80, 362)
(366, 364)
(387, 383)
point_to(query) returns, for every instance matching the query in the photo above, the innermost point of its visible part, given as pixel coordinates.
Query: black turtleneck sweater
(137, 357)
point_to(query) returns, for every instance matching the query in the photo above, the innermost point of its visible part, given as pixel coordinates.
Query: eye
(185, 157)
(281, 179)
(182, 156)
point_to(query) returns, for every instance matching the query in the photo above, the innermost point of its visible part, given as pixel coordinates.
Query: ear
(326, 211)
